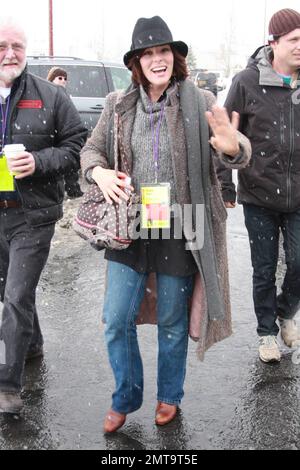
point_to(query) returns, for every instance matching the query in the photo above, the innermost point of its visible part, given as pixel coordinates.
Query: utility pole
(265, 23)
(51, 51)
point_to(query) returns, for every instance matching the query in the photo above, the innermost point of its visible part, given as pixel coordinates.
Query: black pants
(263, 227)
(23, 255)
(72, 186)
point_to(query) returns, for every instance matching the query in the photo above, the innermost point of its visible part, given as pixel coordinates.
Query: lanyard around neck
(4, 118)
(155, 136)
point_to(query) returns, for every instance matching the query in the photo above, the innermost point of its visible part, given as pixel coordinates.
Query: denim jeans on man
(264, 226)
(125, 291)
(23, 255)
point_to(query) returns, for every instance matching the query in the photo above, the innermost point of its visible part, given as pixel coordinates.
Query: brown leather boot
(113, 421)
(165, 413)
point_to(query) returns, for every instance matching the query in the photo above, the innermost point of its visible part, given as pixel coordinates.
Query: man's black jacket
(44, 119)
(270, 118)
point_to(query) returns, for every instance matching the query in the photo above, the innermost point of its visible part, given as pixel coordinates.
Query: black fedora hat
(150, 32)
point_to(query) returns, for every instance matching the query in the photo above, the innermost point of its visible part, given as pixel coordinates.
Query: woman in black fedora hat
(175, 278)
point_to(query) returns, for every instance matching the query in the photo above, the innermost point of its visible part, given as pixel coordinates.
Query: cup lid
(14, 146)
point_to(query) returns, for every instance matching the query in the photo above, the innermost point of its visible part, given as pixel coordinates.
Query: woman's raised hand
(225, 137)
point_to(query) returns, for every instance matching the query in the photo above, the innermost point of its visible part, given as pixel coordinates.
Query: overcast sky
(85, 28)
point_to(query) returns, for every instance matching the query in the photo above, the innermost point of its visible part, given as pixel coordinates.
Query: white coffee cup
(11, 151)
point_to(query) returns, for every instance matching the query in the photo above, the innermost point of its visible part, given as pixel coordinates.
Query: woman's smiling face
(157, 64)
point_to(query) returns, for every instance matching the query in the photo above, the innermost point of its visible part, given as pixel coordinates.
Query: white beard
(8, 76)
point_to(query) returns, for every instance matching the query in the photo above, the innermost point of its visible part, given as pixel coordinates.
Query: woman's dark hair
(180, 70)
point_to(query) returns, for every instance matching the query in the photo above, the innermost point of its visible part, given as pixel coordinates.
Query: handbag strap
(120, 157)
(116, 154)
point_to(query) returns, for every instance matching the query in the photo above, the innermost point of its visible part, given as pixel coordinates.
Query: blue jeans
(263, 226)
(123, 298)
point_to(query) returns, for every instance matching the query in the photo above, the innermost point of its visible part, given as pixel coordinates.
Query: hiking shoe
(268, 349)
(290, 333)
(10, 402)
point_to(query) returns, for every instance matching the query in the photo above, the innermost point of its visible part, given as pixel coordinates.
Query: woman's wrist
(96, 172)
(235, 152)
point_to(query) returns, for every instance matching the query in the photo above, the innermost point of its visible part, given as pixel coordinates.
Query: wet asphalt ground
(232, 400)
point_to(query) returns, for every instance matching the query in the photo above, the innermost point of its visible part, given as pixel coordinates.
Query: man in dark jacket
(267, 96)
(59, 76)
(40, 116)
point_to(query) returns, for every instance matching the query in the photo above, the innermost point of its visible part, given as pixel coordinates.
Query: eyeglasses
(62, 78)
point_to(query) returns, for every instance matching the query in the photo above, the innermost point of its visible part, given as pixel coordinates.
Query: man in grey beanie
(266, 95)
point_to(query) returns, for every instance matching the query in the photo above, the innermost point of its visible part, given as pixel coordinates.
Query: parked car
(88, 84)
(204, 79)
(223, 94)
(221, 80)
